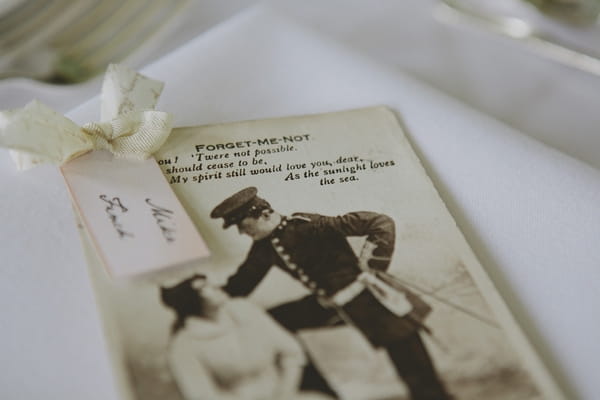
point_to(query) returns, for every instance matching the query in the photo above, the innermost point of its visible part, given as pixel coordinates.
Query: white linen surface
(494, 74)
(529, 212)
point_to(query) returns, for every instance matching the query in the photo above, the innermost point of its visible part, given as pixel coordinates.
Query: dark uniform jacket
(313, 249)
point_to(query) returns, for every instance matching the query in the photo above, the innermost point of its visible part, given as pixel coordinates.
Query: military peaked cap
(237, 207)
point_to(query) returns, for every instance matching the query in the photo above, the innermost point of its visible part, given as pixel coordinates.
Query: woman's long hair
(183, 298)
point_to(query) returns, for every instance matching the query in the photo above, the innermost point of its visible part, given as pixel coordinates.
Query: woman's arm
(192, 377)
(289, 356)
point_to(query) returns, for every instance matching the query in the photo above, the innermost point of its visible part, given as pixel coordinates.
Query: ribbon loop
(36, 134)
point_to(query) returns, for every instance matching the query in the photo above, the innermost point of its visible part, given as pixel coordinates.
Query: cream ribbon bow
(132, 130)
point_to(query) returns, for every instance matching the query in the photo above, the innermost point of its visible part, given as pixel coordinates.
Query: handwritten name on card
(131, 214)
(165, 220)
(113, 209)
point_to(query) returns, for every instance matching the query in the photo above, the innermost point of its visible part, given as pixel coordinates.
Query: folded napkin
(529, 212)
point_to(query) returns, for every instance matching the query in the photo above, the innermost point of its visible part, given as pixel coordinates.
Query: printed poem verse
(210, 162)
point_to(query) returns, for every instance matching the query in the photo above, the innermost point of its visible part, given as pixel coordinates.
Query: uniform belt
(345, 295)
(388, 296)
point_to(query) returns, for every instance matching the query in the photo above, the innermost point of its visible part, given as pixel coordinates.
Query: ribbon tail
(125, 90)
(37, 134)
(24, 160)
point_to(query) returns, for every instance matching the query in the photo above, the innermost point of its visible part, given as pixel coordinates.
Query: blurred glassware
(572, 11)
(65, 41)
(566, 31)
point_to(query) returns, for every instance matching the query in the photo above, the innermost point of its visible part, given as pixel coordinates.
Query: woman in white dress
(224, 348)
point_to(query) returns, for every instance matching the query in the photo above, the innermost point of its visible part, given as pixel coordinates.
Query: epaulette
(299, 216)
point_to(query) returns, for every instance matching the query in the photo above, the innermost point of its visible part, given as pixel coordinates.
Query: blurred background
(533, 64)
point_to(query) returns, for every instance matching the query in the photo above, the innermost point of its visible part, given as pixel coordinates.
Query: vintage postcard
(336, 272)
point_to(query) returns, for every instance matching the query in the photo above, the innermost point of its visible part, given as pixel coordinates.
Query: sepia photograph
(336, 272)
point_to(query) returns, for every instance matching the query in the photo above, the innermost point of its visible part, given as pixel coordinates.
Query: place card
(132, 216)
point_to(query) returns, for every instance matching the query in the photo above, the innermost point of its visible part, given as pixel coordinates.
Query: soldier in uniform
(313, 249)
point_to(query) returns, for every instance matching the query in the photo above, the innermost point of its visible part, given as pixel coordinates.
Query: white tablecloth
(529, 212)
(496, 75)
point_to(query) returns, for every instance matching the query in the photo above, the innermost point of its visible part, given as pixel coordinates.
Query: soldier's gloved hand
(375, 256)
(365, 255)
(326, 302)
